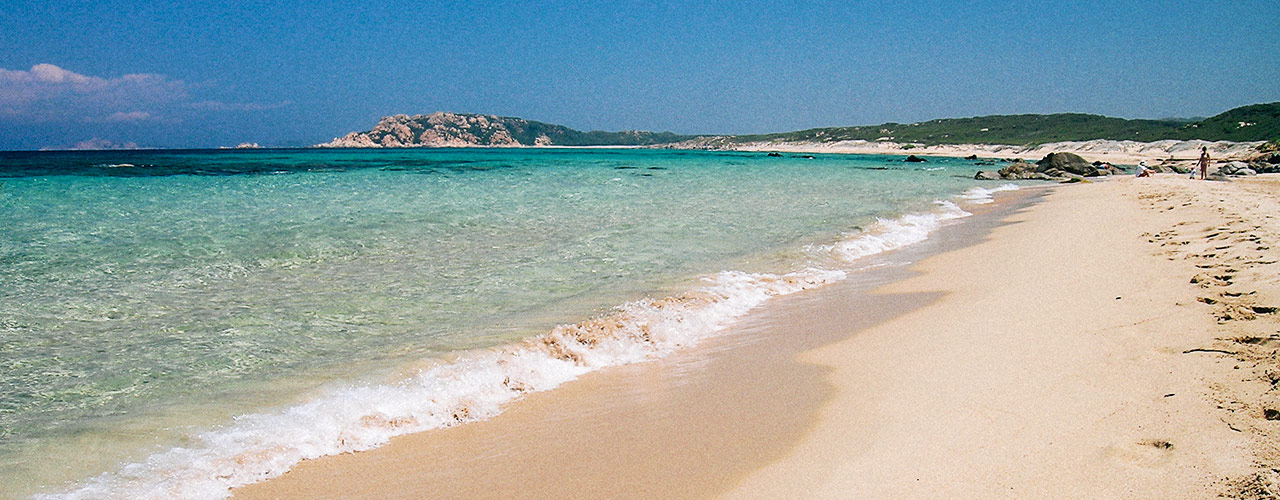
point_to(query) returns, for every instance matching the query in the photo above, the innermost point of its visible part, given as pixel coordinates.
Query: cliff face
(471, 130)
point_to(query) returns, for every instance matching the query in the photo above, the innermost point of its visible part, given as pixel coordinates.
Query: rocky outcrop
(1236, 168)
(1267, 160)
(434, 130)
(441, 129)
(1107, 168)
(1054, 166)
(1018, 170)
(1067, 162)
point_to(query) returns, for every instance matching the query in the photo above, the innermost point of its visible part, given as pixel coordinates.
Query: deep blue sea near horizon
(151, 300)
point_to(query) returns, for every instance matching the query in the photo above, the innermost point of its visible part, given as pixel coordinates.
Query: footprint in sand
(1148, 453)
(1244, 312)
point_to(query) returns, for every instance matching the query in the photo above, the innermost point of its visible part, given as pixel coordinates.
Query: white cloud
(131, 116)
(45, 73)
(49, 93)
(238, 106)
(94, 144)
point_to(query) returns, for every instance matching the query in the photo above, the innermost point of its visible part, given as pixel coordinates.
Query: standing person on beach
(1204, 162)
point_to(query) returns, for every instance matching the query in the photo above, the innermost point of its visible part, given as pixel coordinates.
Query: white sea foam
(978, 195)
(476, 384)
(891, 234)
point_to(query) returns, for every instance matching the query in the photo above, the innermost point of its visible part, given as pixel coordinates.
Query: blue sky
(216, 73)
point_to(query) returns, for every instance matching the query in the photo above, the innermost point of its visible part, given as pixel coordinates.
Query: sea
(177, 323)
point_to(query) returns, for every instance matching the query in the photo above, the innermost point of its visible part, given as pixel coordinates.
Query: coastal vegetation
(1257, 122)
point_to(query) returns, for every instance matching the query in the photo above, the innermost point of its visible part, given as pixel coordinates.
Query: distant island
(1253, 123)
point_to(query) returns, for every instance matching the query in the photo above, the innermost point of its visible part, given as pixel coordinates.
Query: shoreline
(1062, 354)
(1110, 151)
(1118, 152)
(695, 422)
(474, 385)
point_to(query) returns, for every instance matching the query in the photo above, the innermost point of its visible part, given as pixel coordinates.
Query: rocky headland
(446, 130)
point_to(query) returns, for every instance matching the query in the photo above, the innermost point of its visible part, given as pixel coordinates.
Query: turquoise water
(146, 296)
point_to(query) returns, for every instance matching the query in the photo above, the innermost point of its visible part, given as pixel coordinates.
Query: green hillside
(1258, 122)
(1261, 123)
(527, 131)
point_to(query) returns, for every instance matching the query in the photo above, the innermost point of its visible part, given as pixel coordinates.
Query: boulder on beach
(1236, 168)
(1017, 170)
(1266, 162)
(987, 175)
(1105, 168)
(1067, 162)
(1055, 166)
(971, 157)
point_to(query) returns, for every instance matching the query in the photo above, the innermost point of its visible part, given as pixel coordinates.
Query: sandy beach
(1099, 340)
(1110, 151)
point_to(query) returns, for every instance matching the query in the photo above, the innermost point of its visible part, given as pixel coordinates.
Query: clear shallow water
(146, 296)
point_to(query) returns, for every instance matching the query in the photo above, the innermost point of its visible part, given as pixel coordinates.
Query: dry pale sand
(1070, 358)
(1116, 340)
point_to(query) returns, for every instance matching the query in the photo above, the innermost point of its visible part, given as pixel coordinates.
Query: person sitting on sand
(1204, 162)
(1143, 169)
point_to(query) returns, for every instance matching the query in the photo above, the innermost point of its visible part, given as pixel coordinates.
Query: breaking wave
(978, 195)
